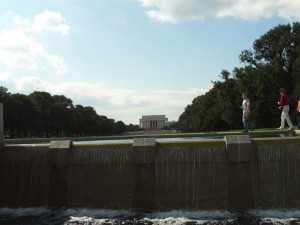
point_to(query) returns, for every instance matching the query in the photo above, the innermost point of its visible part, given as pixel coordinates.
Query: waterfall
(277, 175)
(199, 175)
(191, 175)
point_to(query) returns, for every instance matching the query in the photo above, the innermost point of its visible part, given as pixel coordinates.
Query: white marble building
(153, 122)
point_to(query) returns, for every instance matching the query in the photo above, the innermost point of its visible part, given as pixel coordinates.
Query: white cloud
(119, 104)
(5, 76)
(20, 50)
(22, 22)
(50, 22)
(185, 10)
(47, 21)
(30, 84)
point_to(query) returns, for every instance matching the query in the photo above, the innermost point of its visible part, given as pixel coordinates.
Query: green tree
(218, 109)
(61, 116)
(9, 115)
(24, 113)
(41, 115)
(120, 127)
(273, 63)
(43, 103)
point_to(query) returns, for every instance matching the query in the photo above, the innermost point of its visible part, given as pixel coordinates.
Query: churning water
(45, 216)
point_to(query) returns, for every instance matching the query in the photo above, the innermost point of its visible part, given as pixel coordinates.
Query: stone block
(144, 150)
(149, 142)
(54, 145)
(65, 144)
(238, 148)
(138, 142)
(144, 142)
(58, 153)
(240, 188)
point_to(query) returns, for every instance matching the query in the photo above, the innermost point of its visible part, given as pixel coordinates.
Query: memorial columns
(153, 122)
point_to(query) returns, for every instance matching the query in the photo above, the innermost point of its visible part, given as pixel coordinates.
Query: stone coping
(258, 134)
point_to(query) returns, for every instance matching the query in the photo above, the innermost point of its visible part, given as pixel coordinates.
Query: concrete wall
(237, 173)
(1, 124)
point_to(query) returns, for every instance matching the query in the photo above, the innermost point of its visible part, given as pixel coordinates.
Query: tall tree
(43, 103)
(61, 118)
(273, 63)
(25, 114)
(9, 115)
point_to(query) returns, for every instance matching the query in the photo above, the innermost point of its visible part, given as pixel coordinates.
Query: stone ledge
(238, 148)
(144, 142)
(66, 144)
(144, 150)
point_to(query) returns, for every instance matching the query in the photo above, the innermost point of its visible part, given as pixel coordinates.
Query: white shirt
(245, 104)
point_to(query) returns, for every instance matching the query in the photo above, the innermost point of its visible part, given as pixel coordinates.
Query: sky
(129, 58)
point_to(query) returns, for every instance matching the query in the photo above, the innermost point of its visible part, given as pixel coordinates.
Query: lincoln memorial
(153, 122)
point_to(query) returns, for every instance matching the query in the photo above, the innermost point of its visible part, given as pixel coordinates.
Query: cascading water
(276, 176)
(191, 177)
(186, 182)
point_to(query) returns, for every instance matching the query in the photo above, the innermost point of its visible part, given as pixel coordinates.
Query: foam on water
(178, 217)
(99, 213)
(192, 214)
(18, 212)
(276, 213)
(41, 215)
(276, 216)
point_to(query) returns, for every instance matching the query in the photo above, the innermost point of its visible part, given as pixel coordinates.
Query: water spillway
(234, 173)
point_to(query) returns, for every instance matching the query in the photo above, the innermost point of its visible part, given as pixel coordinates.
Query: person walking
(284, 104)
(246, 113)
(298, 109)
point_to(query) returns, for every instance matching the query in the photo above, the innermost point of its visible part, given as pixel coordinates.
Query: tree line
(273, 63)
(40, 114)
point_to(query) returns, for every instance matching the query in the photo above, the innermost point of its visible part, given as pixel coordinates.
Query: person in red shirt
(298, 109)
(284, 104)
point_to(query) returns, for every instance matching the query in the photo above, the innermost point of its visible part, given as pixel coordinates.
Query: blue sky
(128, 58)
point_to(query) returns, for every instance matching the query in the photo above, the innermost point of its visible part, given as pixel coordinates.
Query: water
(128, 141)
(43, 216)
(271, 169)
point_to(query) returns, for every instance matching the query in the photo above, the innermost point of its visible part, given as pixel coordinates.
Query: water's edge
(43, 215)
